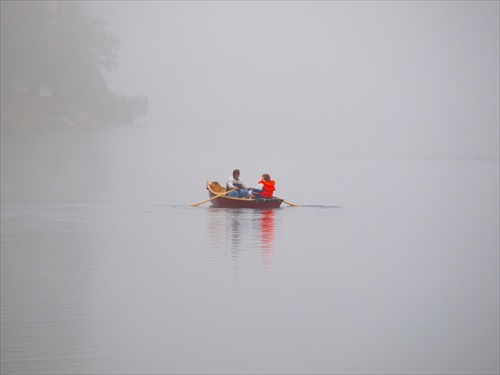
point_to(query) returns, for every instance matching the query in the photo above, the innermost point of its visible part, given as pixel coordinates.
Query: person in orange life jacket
(235, 182)
(265, 188)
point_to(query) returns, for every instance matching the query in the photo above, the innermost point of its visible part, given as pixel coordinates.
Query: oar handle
(217, 196)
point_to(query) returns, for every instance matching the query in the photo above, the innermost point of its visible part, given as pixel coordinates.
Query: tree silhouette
(52, 62)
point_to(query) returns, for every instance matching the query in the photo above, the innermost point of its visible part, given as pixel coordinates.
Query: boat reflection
(267, 236)
(241, 233)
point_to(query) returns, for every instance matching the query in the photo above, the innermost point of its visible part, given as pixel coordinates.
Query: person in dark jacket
(243, 191)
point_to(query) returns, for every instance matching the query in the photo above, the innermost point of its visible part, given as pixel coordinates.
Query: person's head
(266, 177)
(236, 173)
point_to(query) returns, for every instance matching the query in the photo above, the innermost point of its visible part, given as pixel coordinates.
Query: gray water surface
(389, 265)
(95, 288)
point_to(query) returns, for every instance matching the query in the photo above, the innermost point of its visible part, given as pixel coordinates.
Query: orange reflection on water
(267, 235)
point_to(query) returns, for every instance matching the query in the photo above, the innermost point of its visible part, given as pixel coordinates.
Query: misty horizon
(378, 78)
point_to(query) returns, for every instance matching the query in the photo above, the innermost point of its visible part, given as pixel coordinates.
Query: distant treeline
(52, 63)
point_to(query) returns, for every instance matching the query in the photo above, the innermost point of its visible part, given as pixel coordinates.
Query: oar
(291, 204)
(217, 196)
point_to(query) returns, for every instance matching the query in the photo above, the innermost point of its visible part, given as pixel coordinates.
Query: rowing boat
(223, 201)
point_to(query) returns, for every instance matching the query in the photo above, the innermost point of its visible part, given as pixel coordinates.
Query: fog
(369, 78)
(379, 119)
(250, 84)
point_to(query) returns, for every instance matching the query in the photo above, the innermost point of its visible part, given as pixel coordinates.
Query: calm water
(393, 267)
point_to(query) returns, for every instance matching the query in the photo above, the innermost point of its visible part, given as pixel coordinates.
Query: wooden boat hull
(229, 202)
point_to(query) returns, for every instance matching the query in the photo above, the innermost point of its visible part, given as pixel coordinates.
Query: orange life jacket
(267, 191)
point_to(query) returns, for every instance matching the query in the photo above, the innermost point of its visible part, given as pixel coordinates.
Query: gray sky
(404, 78)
